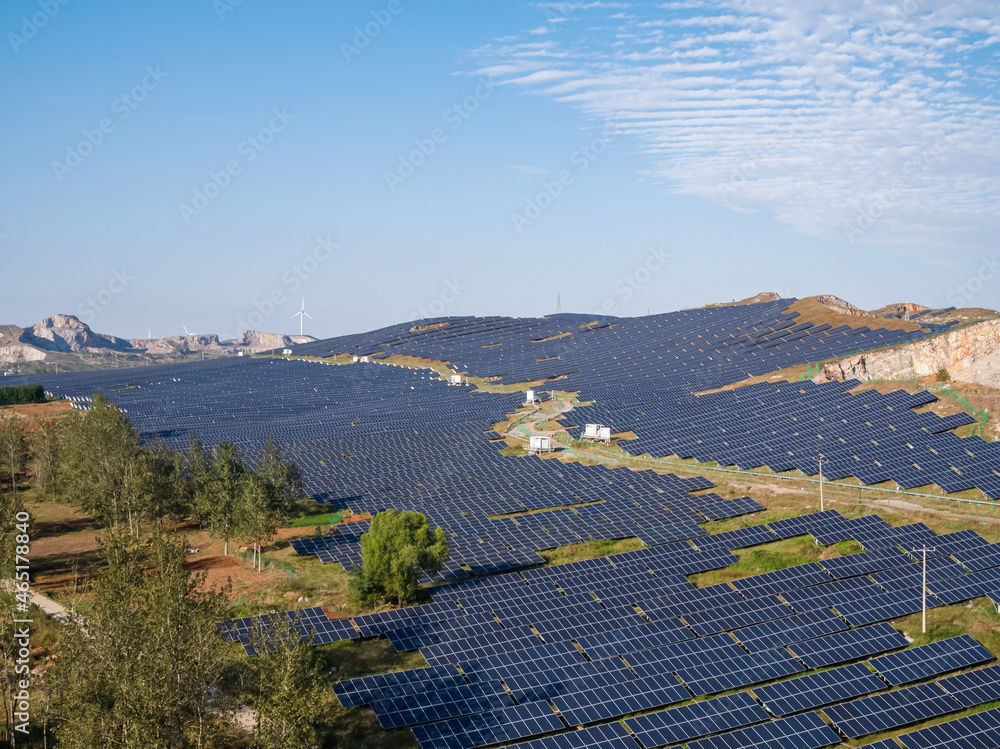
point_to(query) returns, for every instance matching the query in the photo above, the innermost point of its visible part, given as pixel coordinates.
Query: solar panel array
(586, 643)
(872, 436)
(538, 653)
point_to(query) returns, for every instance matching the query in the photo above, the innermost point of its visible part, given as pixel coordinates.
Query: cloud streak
(847, 100)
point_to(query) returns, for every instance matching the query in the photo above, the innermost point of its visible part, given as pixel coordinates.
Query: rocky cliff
(970, 354)
(66, 333)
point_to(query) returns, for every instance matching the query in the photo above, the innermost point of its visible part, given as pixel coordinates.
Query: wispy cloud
(823, 114)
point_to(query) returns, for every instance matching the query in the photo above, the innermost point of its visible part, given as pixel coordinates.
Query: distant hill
(67, 343)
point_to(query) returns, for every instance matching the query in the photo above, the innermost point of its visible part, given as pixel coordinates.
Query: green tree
(943, 375)
(391, 551)
(104, 466)
(256, 513)
(284, 685)
(216, 499)
(147, 668)
(46, 454)
(281, 472)
(14, 450)
(168, 486)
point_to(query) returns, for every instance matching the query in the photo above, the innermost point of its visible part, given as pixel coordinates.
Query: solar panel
(852, 645)
(830, 594)
(780, 632)
(779, 581)
(980, 557)
(971, 732)
(427, 707)
(735, 615)
(966, 587)
(925, 661)
(697, 719)
(975, 687)
(633, 639)
(912, 575)
(541, 681)
(883, 607)
(882, 712)
(483, 729)
(806, 731)
(608, 736)
(731, 673)
(816, 690)
(592, 705)
(865, 562)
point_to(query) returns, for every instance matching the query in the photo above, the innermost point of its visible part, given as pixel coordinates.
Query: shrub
(19, 394)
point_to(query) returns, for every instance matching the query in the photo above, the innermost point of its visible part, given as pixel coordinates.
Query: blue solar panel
(806, 731)
(971, 732)
(975, 687)
(601, 703)
(789, 630)
(848, 646)
(925, 661)
(697, 719)
(609, 736)
(817, 690)
(483, 729)
(731, 673)
(882, 712)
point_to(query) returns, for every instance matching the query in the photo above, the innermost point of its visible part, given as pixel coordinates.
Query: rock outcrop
(19, 352)
(254, 340)
(67, 333)
(970, 354)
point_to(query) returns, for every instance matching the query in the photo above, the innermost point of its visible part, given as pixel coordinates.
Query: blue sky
(479, 158)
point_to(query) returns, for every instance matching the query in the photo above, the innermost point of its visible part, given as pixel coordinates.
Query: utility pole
(822, 508)
(924, 587)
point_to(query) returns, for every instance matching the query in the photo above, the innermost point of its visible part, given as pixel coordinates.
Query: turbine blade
(308, 315)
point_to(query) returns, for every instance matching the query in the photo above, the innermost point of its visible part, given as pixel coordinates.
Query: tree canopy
(396, 545)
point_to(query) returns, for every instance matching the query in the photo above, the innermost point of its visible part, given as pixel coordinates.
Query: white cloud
(819, 113)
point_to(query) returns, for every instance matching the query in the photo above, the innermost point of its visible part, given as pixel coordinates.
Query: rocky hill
(64, 339)
(970, 354)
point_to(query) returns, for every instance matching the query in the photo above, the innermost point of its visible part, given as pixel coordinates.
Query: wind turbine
(186, 331)
(302, 315)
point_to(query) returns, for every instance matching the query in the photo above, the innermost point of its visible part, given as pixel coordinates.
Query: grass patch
(309, 521)
(589, 550)
(771, 557)
(357, 727)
